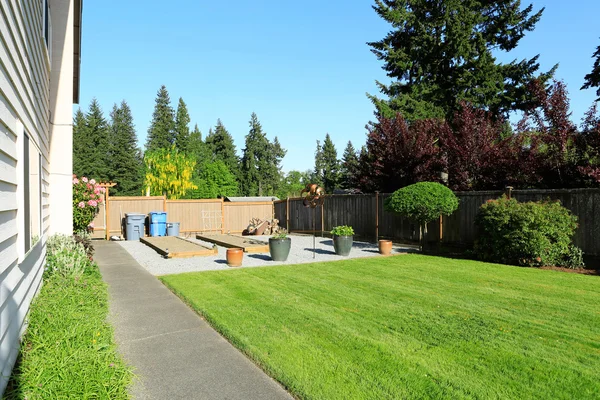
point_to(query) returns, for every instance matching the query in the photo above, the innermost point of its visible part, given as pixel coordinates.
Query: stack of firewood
(259, 226)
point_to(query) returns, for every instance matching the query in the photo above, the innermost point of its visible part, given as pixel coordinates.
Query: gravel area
(301, 252)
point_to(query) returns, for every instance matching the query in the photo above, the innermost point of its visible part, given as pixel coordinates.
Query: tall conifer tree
(592, 80)
(331, 165)
(161, 133)
(349, 168)
(125, 157)
(91, 144)
(182, 127)
(260, 162)
(220, 143)
(440, 53)
(81, 144)
(197, 148)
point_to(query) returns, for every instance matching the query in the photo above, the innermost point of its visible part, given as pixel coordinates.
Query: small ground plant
(529, 234)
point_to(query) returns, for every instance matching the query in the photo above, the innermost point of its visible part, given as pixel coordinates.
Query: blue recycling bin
(158, 223)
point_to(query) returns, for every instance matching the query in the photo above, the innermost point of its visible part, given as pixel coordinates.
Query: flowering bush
(87, 195)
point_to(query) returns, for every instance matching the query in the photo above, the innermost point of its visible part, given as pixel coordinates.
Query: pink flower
(91, 225)
(84, 179)
(75, 181)
(96, 190)
(93, 181)
(102, 190)
(81, 204)
(92, 203)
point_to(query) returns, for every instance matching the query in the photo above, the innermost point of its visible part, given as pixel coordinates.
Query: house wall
(32, 97)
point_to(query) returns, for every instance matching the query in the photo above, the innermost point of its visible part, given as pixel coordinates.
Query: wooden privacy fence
(366, 214)
(202, 215)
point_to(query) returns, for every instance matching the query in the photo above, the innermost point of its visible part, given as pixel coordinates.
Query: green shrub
(531, 234)
(66, 257)
(342, 230)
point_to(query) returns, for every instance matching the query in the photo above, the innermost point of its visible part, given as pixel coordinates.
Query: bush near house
(68, 350)
(529, 234)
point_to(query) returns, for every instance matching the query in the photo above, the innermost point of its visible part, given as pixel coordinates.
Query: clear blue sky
(303, 67)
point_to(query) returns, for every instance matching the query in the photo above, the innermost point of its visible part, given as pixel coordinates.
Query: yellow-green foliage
(168, 172)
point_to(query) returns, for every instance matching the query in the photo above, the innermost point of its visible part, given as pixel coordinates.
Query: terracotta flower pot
(385, 247)
(234, 257)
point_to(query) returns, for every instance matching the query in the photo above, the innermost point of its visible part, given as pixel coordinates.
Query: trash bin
(134, 226)
(172, 228)
(158, 223)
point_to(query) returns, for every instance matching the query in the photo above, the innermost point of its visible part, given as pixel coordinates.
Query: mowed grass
(409, 327)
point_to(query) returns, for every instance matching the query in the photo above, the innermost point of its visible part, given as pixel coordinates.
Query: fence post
(322, 219)
(287, 214)
(106, 214)
(164, 203)
(376, 217)
(222, 215)
(509, 190)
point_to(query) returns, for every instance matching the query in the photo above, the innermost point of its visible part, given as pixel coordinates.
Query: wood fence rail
(367, 215)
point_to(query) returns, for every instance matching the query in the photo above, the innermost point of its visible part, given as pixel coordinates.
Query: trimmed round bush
(528, 234)
(423, 202)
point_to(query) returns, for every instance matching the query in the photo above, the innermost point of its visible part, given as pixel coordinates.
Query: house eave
(78, 12)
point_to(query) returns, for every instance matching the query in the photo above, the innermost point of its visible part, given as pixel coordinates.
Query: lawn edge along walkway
(175, 353)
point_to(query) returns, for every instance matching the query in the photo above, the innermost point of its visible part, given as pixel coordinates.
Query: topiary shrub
(422, 202)
(528, 234)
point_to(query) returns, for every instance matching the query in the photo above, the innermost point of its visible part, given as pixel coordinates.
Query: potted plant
(342, 239)
(279, 246)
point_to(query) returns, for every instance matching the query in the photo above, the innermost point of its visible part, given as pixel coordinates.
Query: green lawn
(409, 327)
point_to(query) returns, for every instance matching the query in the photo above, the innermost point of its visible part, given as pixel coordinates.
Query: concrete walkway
(175, 353)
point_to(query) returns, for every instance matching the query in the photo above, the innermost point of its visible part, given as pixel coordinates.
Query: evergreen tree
(273, 175)
(81, 144)
(161, 133)
(349, 168)
(125, 157)
(197, 148)
(260, 162)
(91, 144)
(440, 53)
(182, 128)
(331, 165)
(593, 78)
(221, 146)
(317, 175)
